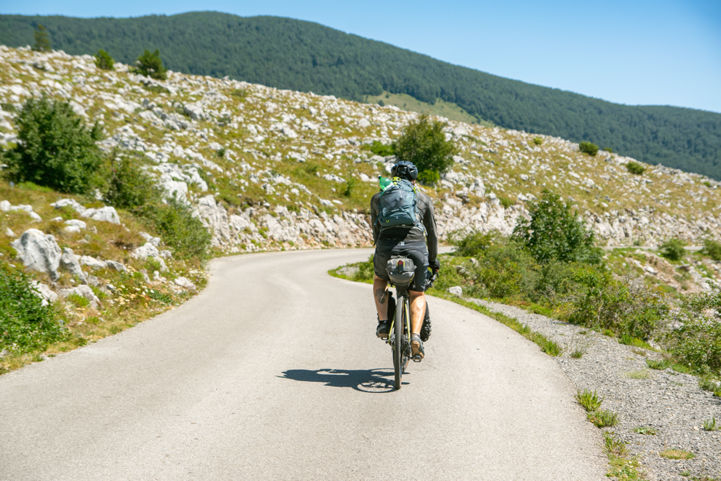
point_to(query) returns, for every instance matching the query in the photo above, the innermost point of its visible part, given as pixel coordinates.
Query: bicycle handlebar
(431, 280)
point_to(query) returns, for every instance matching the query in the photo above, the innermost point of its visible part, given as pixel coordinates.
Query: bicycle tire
(398, 324)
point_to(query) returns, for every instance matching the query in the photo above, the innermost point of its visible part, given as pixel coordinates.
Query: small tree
(424, 143)
(150, 65)
(554, 232)
(54, 147)
(103, 60)
(673, 249)
(588, 148)
(42, 39)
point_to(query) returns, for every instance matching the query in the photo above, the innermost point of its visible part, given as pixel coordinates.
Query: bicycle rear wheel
(398, 324)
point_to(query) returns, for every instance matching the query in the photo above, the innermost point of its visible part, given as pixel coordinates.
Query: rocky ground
(657, 409)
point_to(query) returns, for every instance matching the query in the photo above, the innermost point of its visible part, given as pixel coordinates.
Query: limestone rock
(39, 252)
(69, 262)
(456, 290)
(74, 226)
(104, 214)
(47, 295)
(185, 283)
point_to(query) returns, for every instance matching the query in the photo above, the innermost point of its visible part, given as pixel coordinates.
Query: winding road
(273, 373)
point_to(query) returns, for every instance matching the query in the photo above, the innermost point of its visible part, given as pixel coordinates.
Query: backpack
(397, 204)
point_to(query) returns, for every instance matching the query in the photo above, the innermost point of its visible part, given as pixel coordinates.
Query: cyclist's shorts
(385, 248)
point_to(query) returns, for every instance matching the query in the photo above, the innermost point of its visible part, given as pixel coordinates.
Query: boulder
(104, 214)
(74, 226)
(69, 262)
(39, 252)
(72, 203)
(47, 295)
(456, 290)
(184, 282)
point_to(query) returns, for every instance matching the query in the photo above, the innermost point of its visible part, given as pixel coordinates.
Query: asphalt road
(273, 373)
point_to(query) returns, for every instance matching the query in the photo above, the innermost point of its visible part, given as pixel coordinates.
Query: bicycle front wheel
(398, 323)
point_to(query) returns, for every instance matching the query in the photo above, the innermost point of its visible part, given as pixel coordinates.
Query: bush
(150, 65)
(180, 230)
(128, 186)
(25, 324)
(103, 60)
(635, 168)
(429, 177)
(673, 249)
(537, 140)
(607, 303)
(424, 143)
(554, 232)
(588, 148)
(712, 249)
(54, 148)
(379, 148)
(697, 343)
(507, 270)
(475, 243)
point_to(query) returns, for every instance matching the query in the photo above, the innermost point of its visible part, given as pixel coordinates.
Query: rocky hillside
(268, 168)
(273, 169)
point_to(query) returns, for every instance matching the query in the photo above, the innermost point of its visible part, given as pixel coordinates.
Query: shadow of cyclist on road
(364, 380)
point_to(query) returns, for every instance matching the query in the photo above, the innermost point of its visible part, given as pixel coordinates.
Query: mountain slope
(304, 56)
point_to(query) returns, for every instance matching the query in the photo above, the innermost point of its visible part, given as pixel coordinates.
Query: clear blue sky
(662, 52)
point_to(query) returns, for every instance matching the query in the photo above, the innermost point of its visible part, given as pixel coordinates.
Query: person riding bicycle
(418, 242)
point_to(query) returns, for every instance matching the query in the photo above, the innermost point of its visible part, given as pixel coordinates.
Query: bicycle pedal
(417, 358)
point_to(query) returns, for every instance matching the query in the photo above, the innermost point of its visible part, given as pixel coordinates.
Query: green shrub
(103, 60)
(554, 232)
(150, 65)
(350, 184)
(605, 302)
(429, 177)
(589, 400)
(424, 143)
(128, 186)
(712, 249)
(507, 270)
(475, 243)
(588, 148)
(180, 230)
(697, 342)
(379, 148)
(673, 249)
(54, 148)
(538, 140)
(25, 324)
(635, 168)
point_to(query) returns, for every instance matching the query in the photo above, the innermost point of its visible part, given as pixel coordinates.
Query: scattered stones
(69, 262)
(104, 214)
(6, 206)
(45, 292)
(74, 226)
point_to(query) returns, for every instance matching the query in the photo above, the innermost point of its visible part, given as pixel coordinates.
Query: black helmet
(405, 170)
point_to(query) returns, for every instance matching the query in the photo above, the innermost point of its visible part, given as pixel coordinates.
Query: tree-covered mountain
(304, 56)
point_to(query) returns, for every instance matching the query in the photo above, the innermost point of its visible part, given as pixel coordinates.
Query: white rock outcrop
(39, 251)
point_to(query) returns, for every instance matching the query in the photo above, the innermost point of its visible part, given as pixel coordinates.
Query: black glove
(435, 265)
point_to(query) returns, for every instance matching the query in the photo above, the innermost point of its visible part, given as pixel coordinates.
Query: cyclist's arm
(429, 222)
(374, 218)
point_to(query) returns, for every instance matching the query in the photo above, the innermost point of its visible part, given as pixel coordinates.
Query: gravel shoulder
(670, 403)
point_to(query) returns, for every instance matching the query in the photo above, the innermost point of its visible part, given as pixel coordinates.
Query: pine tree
(42, 39)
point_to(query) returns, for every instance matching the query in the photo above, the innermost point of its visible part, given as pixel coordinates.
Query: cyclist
(419, 243)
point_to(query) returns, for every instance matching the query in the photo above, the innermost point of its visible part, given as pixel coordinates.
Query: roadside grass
(590, 401)
(675, 453)
(624, 467)
(645, 430)
(638, 374)
(710, 425)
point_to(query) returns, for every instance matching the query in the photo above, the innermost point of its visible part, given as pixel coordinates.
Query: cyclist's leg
(379, 294)
(418, 310)
(380, 280)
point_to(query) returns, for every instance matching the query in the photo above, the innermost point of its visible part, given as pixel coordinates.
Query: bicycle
(401, 271)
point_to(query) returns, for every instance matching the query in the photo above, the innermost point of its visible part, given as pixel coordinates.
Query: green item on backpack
(384, 182)
(397, 204)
